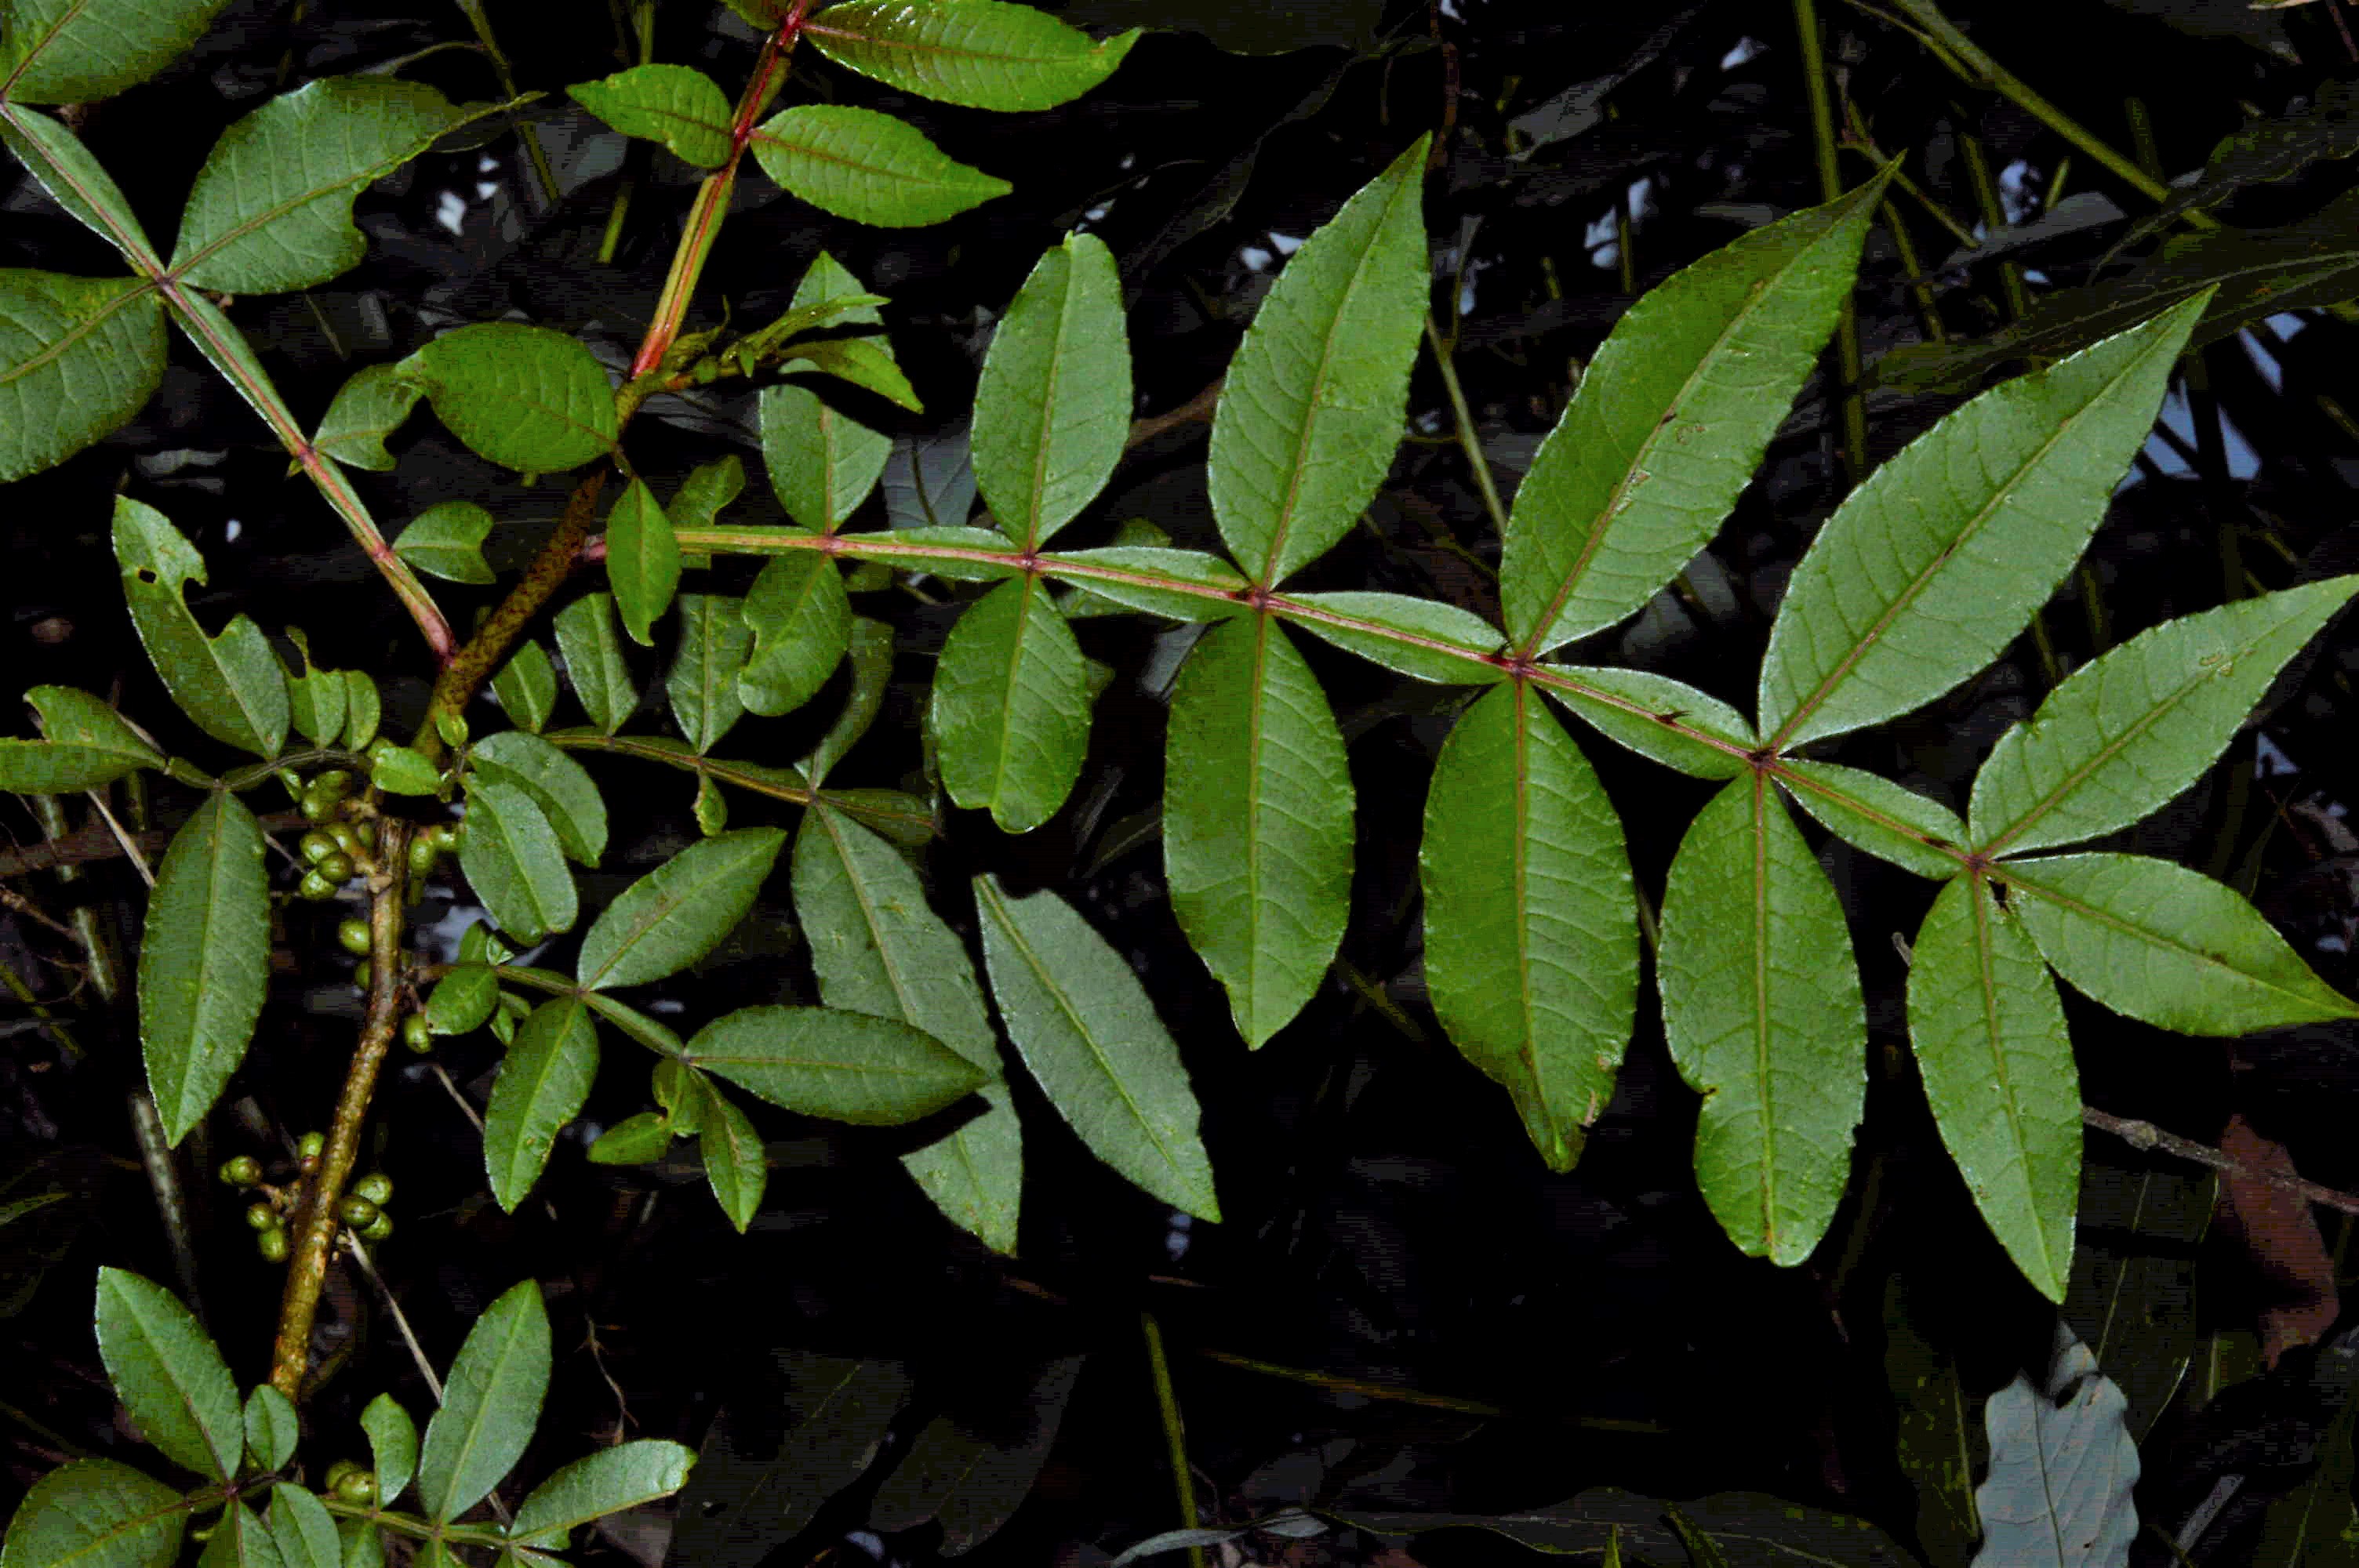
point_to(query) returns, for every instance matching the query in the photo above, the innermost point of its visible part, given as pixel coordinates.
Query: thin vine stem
(1823, 141)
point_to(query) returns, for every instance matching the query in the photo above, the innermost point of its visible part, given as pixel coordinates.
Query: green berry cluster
(336, 849)
(363, 1208)
(351, 1482)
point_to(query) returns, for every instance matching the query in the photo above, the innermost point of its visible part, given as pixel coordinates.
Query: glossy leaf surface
(95, 1511)
(393, 1447)
(514, 861)
(867, 167)
(446, 540)
(204, 961)
(168, 1376)
(607, 1482)
(1422, 638)
(79, 358)
(1312, 408)
(523, 397)
(675, 105)
(734, 1165)
(76, 51)
(1052, 410)
(642, 561)
(1658, 717)
(526, 686)
(822, 463)
(231, 686)
(1763, 1013)
(1011, 706)
(373, 404)
(846, 1067)
(679, 912)
(490, 1405)
(85, 744)
(714, 642)
(594, 663)
(985, 54)
(801, 620)
(1871, 813)
(543, 1082)
(560, 786)
(1087, 1031)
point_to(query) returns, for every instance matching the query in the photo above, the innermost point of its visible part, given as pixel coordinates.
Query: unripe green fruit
(338, 1471)
(358, 1486)
(261, 1216)
(376, 1186)
(335, 784)
(352, 935)
(378, 1230)
(423, 853)
(272, 1245)
(357, 1210)
(312, 1145)
(315, 808)
(315, 886)
(366, 831)
(346, 839)
(242, 1171)
(361, 975)
(445, 836)
(416, 1034)
(315, 847)
(337, 868)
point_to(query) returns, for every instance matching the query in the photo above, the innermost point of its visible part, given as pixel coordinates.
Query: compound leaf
(801, 622)
(2128, 730)
(822, 464)
(168, 1376)
(702, 685)
(525, 397)
(642, 561)
(846, 1067)
(675, 105)
(560, 786)
(1257, 820)
(543, 1083)
(1052, 410)
(86, 745)
(2166, 945)
(679, 912)
(594, 662)
(1531, 936)
(1086, 1029)
(1671, 420)
(1011, 706)
(272, 209)
(446, 540)
(1312, 408)
(204, 961)
(867, 167)
(77, 51)
(1763, 1013)
(1991, 1047)
(490, 1405)
(79, 357)
(984, 54)
(1933, 564)
(514, 861)
(231, 686)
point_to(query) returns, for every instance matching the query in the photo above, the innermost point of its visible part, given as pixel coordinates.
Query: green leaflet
(985, 54)
(674, 104)
(231, 686)
(75, 180)
(639, 1140)
(679, 912)
(515, 863)
(871, 652)
(398, 770)
(76, 51)
(271, 1427)
(1874, 815)
(2166, 945)
(1939, 1442)
(1762, 1014)
(708, 488)
(1052, 410)
(86, 745)
(594, 662)
(642, 561)
(1531, 938)
(846, 1067)
(1312, 408)
(984, 542)
(1933, 564)
(95, 1511)
(878, 947)
(168, 1376)
(735, 1167)
(523, 397)
(544, 1080)
(240, 1540)
(1989, 1035)
(463, 1000)
(272, 209)
(367, 408)
(446, 540)
(560, 786)
(527, 687)
(801, 622)
(361, 710)
(2128, 730)
(1639, 710)
(822, 464)
(865, 362)
(1257, 820)
(1453, 647)
(1086, 1029)
(204, 960)
(867, 167)
(79, 357)
(303, 1529)
(1671, 420)
(607, 1482)
(393, 1447)
(316, 699)
(490, 1405)
(1130, 575)
(1011, 706)
(702, 685)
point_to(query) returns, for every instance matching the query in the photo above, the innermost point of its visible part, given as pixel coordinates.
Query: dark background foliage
(1468, 1332)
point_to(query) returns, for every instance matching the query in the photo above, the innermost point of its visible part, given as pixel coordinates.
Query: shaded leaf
(1312, 408)
(865, 362)
(560, 786)
(231, 686)
(1730, 1529)
(708, 488)
(2061, 1466)
(490, 1405)
(1086, 1029)
(679, 912)
(971, 1468)
(95, 1511)
(1052, 409)
(544, 1081)
(1931, 567)
(1940, 1441)
(1658, 717)
(594, 662)
(515, 863)
(371, 406)
(79, 357)
(76, 180)
(714, 642)
(168, 1376)
(2166, 945)
(86, 745)
(985, 54)
(674, 104)
(1989, 1032)
(642, 561)
(361, 710)
(393, 1447)
(734, 1165)
(1671, 421)
(204, 960)
(2326, 126)
(1257, 820)
(1763, 1013)
(801, 622)
(1874, 815)
(2128, 730)
(607, 1482)
(446, 540)
(1531, 936)
(870, 647)
(523, 397)
(845, 1066)
(822, 463)
(1420, 637)
(76, 51)
(1011, 706)
(271, 1427)
(462, 1001)
(867, 167)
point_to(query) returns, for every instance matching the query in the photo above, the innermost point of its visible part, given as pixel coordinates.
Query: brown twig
(1200, 406)
(96, 843)
(2146, 1135)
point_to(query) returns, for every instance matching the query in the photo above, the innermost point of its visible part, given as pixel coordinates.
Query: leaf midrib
(83, 327)
(472, 1429)
(936, 47)
(1976, 890)
(665, 904)
(1761, 1015)
(951, 180)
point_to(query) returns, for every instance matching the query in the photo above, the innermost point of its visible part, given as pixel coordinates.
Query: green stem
(1467, 437)
(1822, 136)
(1175, 1435)
(541, 171)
